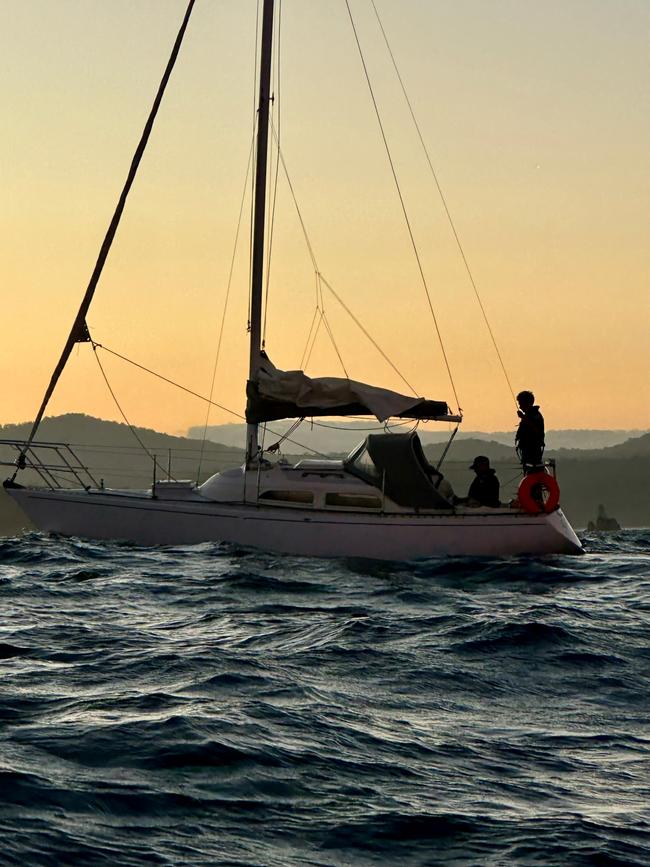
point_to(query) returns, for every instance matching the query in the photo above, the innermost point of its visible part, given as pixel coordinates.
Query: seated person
(484, 490)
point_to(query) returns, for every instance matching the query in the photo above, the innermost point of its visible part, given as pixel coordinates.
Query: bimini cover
(397, 463)
(292, 394)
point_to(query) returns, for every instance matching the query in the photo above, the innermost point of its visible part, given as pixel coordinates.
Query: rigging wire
(404, 210)
(448, 446)
(225, 304)
(313, 343)
(317, 321)
(117, 449)
(320, 279)
(320, 304)
(167, 380)
(334, 344)
(365, 331)
(275, 447)
(318, 313)
(311, 328)
(443, 200)
(354, 429)
(118, 405)
(196, 394)
(293, 442)
(310, 249)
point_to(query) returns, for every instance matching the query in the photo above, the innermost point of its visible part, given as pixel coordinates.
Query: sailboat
(381, 502)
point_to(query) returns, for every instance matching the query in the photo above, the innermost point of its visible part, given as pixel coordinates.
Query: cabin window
(288, 496)
(353, 501)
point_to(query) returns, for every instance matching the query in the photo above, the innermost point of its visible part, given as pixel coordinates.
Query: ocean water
(213, 706)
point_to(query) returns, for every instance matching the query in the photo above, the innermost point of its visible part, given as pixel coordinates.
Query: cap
(480, 460)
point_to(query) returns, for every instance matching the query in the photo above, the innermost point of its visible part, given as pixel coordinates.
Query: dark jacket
(529, 438)
(485, 489)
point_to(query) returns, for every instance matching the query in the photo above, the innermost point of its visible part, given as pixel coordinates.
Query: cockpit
(396, 464)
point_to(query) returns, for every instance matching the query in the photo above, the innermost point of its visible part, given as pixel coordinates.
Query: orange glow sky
(537, 117)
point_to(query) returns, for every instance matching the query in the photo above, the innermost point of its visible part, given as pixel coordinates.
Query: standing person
(529, 439)
(484, 490)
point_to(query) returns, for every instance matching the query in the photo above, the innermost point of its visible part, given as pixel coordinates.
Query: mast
(257, 272)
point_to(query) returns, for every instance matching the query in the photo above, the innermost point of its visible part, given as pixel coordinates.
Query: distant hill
(636, 447)
(465, 450)
(333, 436)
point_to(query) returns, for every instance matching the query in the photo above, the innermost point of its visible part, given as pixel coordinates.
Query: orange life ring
(532, 505)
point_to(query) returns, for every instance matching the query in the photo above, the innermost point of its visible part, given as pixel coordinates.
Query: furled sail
(292, 394)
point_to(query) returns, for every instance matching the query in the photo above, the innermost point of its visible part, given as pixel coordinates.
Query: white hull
(139, 518)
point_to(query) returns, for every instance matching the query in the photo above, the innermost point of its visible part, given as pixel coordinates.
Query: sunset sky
(537, 118)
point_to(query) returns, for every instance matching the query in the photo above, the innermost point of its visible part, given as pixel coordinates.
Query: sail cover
(292, 394)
